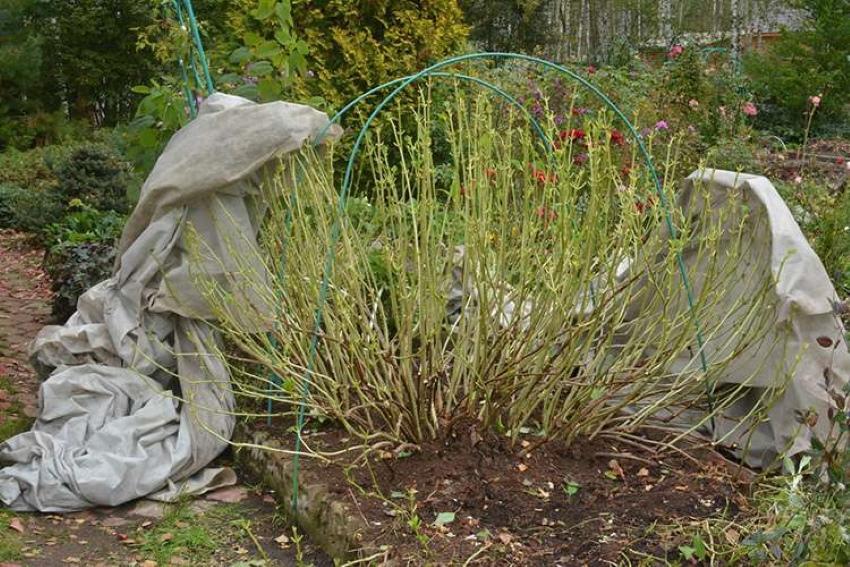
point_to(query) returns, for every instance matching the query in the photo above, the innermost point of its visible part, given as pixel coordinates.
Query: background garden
(91, 91)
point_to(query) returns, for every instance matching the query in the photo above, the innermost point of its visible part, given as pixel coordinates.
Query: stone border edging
(326, 521)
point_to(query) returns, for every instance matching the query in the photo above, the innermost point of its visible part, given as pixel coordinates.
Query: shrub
(824, 216)
(74, 268)
(27, 209)
(343, 48)
(473, 300)
(802, 64)
(97, 175)
(82, 254)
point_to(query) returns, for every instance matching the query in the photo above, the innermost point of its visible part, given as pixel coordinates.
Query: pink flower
(798, 180)
(693, 103)
(815, 100)
(675, 51)
(662, 125)
(749, 109)
(590, 69)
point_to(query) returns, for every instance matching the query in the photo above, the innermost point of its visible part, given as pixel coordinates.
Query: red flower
(617, 138)
(574, 134)
(591, 69)
(546, 214)
(580, 159)
(642, 207)
(542, 177)
(626, 171)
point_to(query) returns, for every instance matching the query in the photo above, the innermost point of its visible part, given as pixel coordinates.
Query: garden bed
(475, 496)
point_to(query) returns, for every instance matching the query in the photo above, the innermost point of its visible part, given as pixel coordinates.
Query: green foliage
(11, 547)
(508, 25)
(93, 56)
(824, 216)
(27, 209)
(159, 115)
(271, 55)
(355, 46)
(82, 254)
(802, 64)
(95, 174)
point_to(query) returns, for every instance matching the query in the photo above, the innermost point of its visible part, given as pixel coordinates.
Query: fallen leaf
(17, 525)
(166, 537)
(444, 518)
(148, 563)
(643, 472)
(616, 468)
(505, 538)
(522, 467)
(71, 560)
(114, 522)
(229, 495)
(282, 539)
(732, 536)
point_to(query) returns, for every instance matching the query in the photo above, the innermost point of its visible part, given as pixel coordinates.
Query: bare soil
(591, 503)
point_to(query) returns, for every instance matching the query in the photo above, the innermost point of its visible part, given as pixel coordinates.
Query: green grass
(11, 548)
(13, 422)
(12, 426)
(180, 533)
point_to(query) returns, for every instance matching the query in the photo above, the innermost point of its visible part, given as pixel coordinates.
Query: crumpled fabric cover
(137, 405)
(803, 353)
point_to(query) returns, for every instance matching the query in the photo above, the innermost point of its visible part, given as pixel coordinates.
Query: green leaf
(228, 78)
(284, 13)
(269, 89)
(252, 38)
(260, 69)
(265, 9)
(444, 518)
(687, 552)
(148, 138)
(141, 122)
(141, 89)
(571, 488)
(247, 91)
(267, 50)
(283, 36)
(699, 547)
(240, 55)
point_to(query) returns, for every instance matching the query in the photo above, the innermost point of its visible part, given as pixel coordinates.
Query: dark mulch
(586, 504)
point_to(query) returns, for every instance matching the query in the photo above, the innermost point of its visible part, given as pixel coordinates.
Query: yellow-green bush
(357, 45)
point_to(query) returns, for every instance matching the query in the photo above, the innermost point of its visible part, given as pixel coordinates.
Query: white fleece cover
(111, 426)
(802, 355)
